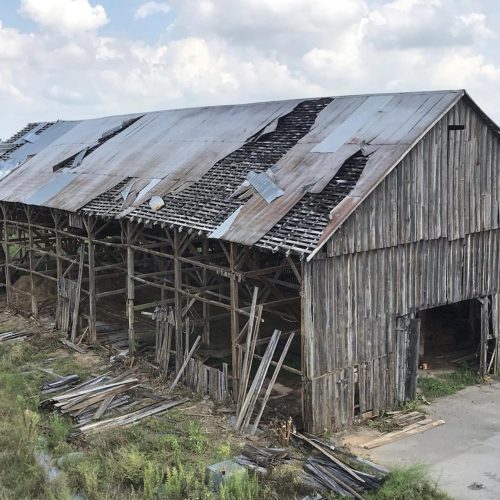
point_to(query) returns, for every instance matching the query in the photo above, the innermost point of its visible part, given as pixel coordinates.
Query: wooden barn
(359, 235)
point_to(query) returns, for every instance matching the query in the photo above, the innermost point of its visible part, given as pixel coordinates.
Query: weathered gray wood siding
(427, 236)
(446, 187)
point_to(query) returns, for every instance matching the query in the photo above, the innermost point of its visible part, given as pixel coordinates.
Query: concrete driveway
(464, 454)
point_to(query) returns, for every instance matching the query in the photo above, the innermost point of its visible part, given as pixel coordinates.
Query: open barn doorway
(450, 336)
(442, 340)
(458, 334)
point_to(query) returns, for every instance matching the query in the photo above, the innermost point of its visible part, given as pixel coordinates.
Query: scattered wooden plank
(248, 405)
(104, 406)
(130, 418)
(77, 348)
(422, 426)
(328, 455)
(247, 361)
(183, 367)
(74, 326)
(271, 384)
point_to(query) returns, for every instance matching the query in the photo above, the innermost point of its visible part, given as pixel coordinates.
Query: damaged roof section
(206, 203)
(275, 175)
(28, 142)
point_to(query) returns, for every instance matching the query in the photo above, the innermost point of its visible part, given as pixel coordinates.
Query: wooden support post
(92, 334)
(495, 320)
(6, 251)
(74, 326)
(130, 290)
(31, 258)
(485, 330)
(206, 307)
(179, 336)
(235, 319)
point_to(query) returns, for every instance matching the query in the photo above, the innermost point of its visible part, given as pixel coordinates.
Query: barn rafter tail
(360, 227)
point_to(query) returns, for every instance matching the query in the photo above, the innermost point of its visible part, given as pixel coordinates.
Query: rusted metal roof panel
(318, 152)
(343, 127)
(28, 144)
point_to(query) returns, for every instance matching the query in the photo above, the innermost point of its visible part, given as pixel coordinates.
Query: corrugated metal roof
(195, 159)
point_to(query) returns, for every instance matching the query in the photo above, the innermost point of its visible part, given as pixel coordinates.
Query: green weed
(58, 430)
(241, 487)
(196, 441)
(411, 482)
(447, 384)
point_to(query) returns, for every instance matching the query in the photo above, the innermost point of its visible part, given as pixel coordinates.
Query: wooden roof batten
(315, 160)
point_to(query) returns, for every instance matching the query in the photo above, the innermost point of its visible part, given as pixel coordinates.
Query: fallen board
(422, 426)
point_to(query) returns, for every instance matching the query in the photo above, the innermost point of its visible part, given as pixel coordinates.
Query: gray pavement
(464, 454)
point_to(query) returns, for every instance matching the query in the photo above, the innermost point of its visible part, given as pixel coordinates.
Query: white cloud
(424, 23)
(223, 51)
(65, 15)
(149, 8)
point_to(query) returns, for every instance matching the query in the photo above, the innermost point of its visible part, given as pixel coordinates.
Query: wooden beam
(179, 337)
(6, 250)
(235, 319)
(74, 326)
(92, 318)
(130, 289)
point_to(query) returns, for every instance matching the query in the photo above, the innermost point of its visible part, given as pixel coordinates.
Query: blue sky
(121, 20)
(83, 58)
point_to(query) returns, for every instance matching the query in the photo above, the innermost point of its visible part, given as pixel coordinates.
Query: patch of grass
(242, 487)
(411, 482)
(433, 387)
(58, 430)
(196, 440)
(15, 355)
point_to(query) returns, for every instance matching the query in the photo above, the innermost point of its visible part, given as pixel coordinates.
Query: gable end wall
(428, 235)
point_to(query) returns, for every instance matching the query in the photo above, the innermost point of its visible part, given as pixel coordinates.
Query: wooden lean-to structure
(333, 220)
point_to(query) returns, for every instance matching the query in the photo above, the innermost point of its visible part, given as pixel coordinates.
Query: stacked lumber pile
(131, 418)
(405, 423)
(338, 471)
(88, 402)
(91, 399)
(60, 384)
(13, 336)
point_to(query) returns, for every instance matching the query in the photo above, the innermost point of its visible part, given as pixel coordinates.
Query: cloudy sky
(83, 58)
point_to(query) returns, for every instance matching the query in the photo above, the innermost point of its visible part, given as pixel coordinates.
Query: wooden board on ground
(412, 429)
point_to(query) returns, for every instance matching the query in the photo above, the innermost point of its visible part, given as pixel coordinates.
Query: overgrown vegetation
(411, 482)
(435, 386)
(160, 458)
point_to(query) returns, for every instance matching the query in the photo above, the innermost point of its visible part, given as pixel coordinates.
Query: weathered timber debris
(61, 384)
(13, 336)
(338, 471)
(257, 458)
(88, 402)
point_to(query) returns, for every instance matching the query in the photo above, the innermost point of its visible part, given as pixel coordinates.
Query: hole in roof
(76, 160)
